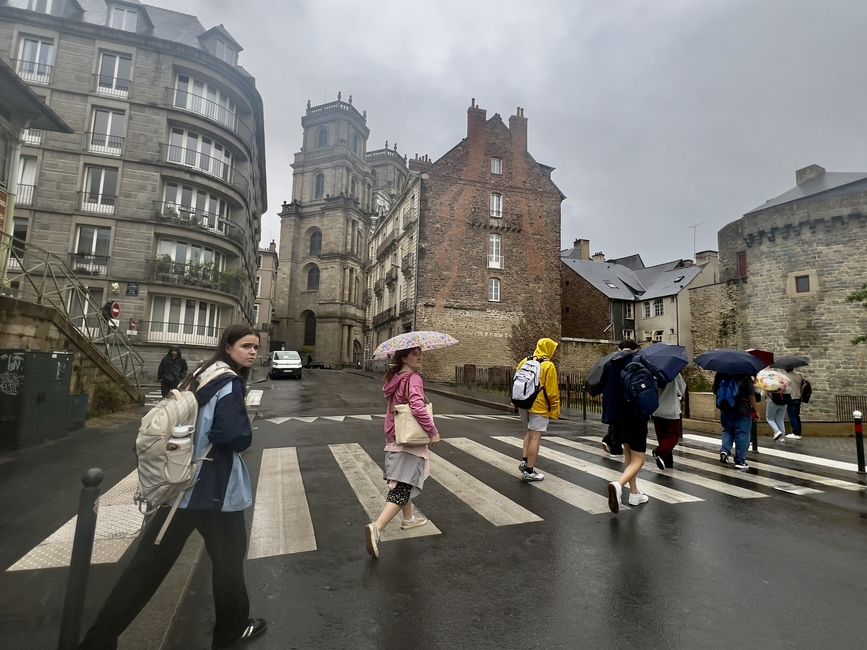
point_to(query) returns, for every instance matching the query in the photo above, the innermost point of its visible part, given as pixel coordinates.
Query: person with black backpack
(536, 394)
(736, 401)
(610, 442)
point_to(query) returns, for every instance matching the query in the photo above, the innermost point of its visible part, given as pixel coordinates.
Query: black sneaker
(724, 457)
(659, 463)
(255, 627)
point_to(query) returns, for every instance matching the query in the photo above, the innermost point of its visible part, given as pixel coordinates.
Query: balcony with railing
(209, 165)
(378, 287)
(103, 143)
(495, 261)
(98, 203)
(208, 108)
(366, 297)
(24, 195)
(407, 264)
(183, 215)
(391, 276)
(34, 71)
(386, 245)
(32, 136)
(113, 86)
(383, 317)
(178, 333)
(87, 264)
(164, 269)
(406, 307)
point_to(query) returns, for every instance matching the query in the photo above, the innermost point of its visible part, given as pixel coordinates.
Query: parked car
(319, 364)
(285, 362)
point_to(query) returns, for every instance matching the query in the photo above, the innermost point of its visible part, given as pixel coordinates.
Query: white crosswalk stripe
(283, 524)
(310, 419)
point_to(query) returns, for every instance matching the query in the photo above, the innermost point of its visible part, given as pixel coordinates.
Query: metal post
(79, 565)
(754, 435)
(859, 440)
(584, 402)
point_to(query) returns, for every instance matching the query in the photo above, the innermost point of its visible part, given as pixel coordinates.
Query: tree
(859, 296)
(529, 328)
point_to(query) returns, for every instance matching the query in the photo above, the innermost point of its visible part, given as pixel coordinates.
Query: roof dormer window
(125, 18)
(226, 52)
(42, 6)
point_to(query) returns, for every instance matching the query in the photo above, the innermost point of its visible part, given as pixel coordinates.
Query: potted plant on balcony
(163, 265)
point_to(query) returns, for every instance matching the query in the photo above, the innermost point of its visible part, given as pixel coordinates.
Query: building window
(802, 284)
(313, 278)
(258, 285)
(657, 335)
(100, 190)
(353, 186)
(196, 206)
(629, 335)
(124, 18)
(319, 189)
(309, 328)
(226, 52)
(322, 138)
(356, 143)
(35, 59)
(315, 247)
(256, 315)
(742, 265)
(646, 309)
(106, 132)
(496, 205)
(658, 307)
(115, 74)
(496, 165)
(196, 96)
(495, 256)
(648, 336)
(26, 180)
(184, 254)
(91, 250)
(42, 6)
(205, 154)
(84, 308)
(629, 312)
(494, 290)
(179, 320)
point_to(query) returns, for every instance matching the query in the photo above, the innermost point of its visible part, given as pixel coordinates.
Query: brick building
(787, 267)
(265, 288)
(156, 199)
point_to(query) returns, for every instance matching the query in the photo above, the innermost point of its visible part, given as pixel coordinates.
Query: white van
(285, 362)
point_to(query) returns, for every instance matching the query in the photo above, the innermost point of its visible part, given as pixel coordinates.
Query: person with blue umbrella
(667, 361)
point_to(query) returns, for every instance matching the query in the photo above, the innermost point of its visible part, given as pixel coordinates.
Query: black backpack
(640, 389)
(806, 392)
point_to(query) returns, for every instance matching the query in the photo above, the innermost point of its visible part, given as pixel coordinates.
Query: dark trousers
(225, 535)
(668, 434)
(166, 386)
(793, 410)
(615, 444)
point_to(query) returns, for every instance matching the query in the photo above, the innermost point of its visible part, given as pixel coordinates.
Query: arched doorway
(356, 354)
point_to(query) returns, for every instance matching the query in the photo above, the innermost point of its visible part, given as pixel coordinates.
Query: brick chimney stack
(420, 163)
(476, 118)
(583, 246)
(518, 128)
(598, 257)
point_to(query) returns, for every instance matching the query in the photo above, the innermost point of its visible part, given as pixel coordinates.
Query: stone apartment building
(622, 298)
(469, 247)
(265, 288)
(156, 199)
(787, 267)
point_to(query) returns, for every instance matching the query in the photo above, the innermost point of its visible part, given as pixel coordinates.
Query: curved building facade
(157, 197)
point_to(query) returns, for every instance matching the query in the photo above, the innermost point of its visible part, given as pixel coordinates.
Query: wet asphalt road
(786, 571)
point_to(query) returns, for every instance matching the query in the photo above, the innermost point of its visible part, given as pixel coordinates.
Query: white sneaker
(415, 522)
(529, 477)
(371, 536)
(793, 436)
(778, 435)
(638, 499)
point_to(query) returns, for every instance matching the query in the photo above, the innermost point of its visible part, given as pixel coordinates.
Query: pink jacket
(407, 388)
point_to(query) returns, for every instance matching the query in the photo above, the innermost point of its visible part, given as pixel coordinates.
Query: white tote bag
(407, 430)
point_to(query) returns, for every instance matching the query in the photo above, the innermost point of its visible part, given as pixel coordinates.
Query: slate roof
(619, 282)
(825, 182)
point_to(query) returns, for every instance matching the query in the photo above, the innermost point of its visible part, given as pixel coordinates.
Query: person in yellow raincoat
(545, 408)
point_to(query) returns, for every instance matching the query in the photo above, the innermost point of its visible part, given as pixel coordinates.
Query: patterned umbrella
(426, 340)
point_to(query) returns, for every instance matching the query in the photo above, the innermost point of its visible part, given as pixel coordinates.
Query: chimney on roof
(807, 173)
(598, 257)
(582, 247)
(272, 246)
(476, 118)
(518, 129)
(420, 163)
(703, 257)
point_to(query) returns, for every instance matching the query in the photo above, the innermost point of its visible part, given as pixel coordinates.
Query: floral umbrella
(426, 340)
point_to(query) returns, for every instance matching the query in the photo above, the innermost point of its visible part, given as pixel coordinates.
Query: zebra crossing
(282, 523)
(310, 419)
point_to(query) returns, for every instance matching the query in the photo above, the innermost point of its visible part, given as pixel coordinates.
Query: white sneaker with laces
(793, 436)
(535, 475)
(778, 435)
(638, 499)
(414, 522)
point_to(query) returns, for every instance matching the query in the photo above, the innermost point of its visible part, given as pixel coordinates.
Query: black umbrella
(594, 377)
(730, 362)
(666, 359)
(790, 363)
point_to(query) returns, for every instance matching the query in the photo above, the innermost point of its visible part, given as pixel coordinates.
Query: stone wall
(586, 311)
(579, 355)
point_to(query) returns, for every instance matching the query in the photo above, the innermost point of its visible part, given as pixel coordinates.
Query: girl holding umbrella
(406, 467)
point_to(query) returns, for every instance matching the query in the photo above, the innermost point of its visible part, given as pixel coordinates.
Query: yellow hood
(545, 349)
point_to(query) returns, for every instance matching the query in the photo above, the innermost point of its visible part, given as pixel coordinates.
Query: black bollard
(859, 440)
(584, 402)
(79, 565)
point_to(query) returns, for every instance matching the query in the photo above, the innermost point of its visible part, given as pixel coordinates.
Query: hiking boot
(638, 499)
(724, 457)
(529, 477)
(371, 536)
(614, 496)
(415, 522)
(659, 462)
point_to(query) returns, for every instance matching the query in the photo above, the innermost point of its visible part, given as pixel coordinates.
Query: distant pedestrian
(214, 507)
(793, 407)
(309, 360)
(172, 370)
(406, 468)
(545, 408)
(629, 427)
(775, 412)
(736, 400)
(610, 443)
(667, 422)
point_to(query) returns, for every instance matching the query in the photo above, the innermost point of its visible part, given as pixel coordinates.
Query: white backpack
(526, 384)
(167, 470)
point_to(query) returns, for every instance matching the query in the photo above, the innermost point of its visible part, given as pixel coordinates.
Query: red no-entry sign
(115, 310)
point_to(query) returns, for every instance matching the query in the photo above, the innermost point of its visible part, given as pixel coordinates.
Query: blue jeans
(776, 416)
(793, 409)
(736, 430)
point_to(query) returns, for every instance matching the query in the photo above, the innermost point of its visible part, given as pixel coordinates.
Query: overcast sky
(656, 114)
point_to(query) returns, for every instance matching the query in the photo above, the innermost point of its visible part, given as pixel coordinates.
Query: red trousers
(668, 433)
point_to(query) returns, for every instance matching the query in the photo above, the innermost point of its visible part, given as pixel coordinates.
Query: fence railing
(99, 203)
(33, 71)
(164, 269)
(220, 168)
(25, 194)
(166, 211)
(103, 143)
(848, 403)
(88, 264)
(178, 333)
(498, 379)
(46, 279)
(115, 86)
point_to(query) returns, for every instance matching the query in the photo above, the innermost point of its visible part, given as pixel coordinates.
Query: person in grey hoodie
(406, 468)
(667, 422)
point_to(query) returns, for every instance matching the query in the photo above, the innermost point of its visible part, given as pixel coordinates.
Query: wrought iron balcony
(407, 264)
(32, 136)
(378, 287)
(87, 264)
(383, 317)
(25, 194)
(178, 333)
(114, 86)
(34, 71)
(103, 143)
(184, 215)
(391, 276)
(164, 269)
(406, 306)
(205, 107)
(386, 245)
(206, 164)
(98, 203)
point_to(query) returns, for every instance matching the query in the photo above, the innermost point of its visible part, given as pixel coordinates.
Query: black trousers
(166, 386)
(225, 535)
(612, 439)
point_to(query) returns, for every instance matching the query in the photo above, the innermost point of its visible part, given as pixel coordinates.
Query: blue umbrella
(594, 377)
(730, 362)
(666, 359)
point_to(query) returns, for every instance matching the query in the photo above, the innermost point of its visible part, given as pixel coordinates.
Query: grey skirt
(405, 468)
